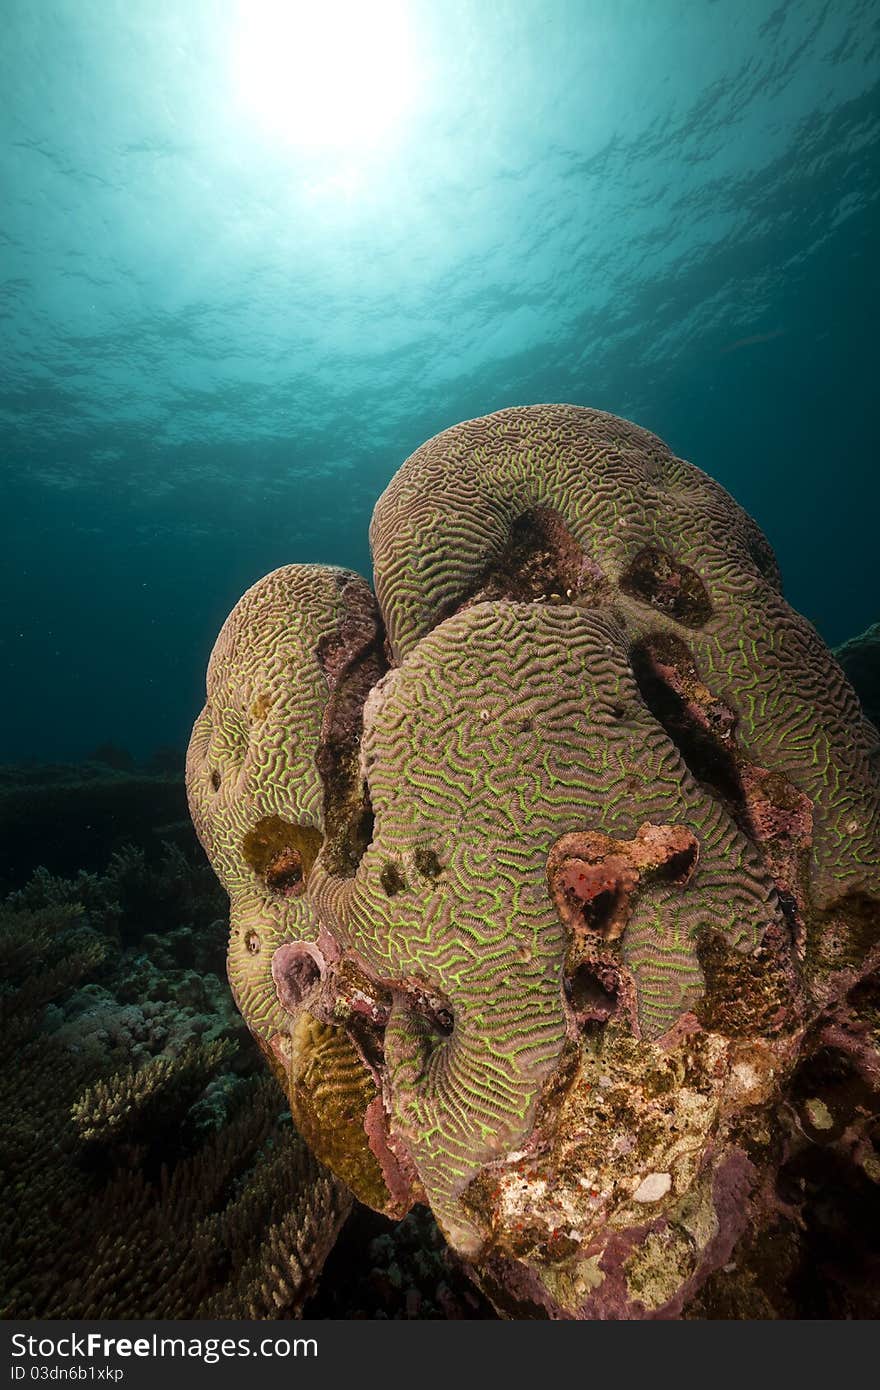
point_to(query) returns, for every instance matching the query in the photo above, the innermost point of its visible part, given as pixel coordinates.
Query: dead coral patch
(657, 578)
(353, 660)
(594, 878)
(281, 854)
(540, 561)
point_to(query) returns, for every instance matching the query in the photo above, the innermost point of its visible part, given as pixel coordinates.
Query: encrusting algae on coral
(553, 869)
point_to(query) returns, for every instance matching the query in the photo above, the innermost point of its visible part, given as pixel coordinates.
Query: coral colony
(166, 1187)
(552, 865)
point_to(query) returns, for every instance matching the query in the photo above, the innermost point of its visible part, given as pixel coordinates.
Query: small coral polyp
(548, 865)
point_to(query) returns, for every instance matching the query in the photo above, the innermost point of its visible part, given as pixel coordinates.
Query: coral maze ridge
(549, 864)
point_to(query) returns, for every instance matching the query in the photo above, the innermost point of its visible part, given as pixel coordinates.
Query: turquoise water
(250, 262)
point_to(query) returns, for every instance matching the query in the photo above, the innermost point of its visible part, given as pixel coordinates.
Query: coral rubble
(554, 868)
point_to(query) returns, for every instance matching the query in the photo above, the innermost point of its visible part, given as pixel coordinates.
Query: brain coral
(550, 867)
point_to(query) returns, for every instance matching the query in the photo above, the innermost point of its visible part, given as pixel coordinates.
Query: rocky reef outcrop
(860, 659)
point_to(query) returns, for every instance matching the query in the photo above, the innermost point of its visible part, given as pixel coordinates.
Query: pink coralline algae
(554, 869)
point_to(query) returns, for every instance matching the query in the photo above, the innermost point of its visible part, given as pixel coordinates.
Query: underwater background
(254, 255)
(227, 323)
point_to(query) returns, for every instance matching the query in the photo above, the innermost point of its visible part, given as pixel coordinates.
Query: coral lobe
(561, 853)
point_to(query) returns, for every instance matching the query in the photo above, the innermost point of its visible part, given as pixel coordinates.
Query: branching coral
(173, 1188)
(141, 1103)
(548, 871)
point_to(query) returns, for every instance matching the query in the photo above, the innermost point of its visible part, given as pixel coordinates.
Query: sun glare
(326, 75)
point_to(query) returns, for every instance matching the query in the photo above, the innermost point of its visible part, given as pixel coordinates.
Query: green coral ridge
(252, 758)
(534, 924)
(258, 803)
(620, 490)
